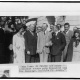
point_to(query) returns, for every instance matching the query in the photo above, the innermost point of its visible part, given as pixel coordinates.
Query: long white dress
(19, 48)
(76, 53)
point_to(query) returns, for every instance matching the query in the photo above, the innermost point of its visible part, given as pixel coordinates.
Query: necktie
(64, 32)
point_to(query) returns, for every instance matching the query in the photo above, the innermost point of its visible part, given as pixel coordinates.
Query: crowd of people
(25, 44)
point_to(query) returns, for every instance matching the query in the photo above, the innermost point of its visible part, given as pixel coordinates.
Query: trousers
(55, 58)
(30, 58)
(43, 56)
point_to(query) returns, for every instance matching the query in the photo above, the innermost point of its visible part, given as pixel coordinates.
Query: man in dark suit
(30, 44)
(59, 42)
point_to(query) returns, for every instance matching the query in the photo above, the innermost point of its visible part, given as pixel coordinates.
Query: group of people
(23, 44)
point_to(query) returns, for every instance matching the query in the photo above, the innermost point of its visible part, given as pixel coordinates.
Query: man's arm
(69, 51)
(38, 42)
(63, 40)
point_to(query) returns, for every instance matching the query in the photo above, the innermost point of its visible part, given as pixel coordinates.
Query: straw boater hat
(31, 22)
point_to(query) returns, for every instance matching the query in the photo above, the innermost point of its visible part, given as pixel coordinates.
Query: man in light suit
(43, 43)
(68, 35)
(51, 31)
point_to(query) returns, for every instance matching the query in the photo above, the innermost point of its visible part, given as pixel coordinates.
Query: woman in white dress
(73, 53)
(19, 46)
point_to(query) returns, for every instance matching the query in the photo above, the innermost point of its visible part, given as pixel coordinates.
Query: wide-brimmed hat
(77, 31)
(18, 27)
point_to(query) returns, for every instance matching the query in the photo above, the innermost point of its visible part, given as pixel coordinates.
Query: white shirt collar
(45, 31)
(57, 32)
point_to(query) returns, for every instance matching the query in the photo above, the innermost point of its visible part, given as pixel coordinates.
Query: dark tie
(64, 32)
(54, 34)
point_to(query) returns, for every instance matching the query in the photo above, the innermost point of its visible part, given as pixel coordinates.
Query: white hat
(30, 22)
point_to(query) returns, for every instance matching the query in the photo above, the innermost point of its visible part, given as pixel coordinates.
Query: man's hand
(28, 52)
(47, 44)
(38, 52)
(11, 47)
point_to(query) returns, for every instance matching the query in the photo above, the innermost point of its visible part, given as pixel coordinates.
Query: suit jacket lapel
(31, 33)
(58, 34)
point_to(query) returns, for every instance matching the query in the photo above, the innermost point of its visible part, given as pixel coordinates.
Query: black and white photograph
(37, 39)
(40, 40)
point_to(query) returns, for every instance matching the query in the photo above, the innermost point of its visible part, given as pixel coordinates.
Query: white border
(42, 9)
